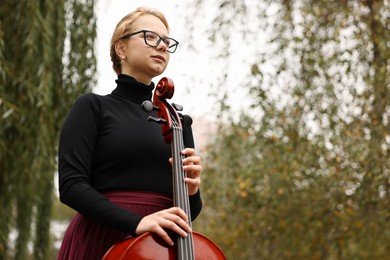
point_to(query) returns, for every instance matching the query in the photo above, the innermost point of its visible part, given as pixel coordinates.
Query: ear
(121, 49)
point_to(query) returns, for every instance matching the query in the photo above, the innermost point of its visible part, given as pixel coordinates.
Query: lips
(160, 57)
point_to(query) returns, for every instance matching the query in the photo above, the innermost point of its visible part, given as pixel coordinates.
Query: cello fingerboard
(185, 245)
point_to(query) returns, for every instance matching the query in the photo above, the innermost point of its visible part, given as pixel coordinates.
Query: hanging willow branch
(40, 78)
(307, 164)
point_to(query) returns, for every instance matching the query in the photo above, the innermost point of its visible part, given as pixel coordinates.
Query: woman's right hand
(173, 218)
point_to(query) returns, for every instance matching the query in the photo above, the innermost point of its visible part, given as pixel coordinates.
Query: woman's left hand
(193, 169)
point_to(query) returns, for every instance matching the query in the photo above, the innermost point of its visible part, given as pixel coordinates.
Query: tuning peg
(177, 107)
(186, 120)
(148, 106)
(157, 120)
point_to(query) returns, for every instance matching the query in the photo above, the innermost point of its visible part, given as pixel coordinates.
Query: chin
(157, 72)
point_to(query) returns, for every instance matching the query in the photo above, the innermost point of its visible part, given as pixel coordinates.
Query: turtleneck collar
(129, 88)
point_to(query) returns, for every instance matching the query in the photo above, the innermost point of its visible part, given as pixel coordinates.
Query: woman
(114, 167)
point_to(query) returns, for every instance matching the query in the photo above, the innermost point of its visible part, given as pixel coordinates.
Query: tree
(46, 60)
(304, 171)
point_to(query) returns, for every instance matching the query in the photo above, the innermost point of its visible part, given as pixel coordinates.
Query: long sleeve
(76, 151)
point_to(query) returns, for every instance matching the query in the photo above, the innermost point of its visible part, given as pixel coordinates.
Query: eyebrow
(162, 35)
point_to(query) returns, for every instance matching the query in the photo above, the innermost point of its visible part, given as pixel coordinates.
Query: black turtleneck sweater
(107, 144)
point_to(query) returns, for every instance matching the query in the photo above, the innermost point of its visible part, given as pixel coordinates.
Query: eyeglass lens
(153, 39)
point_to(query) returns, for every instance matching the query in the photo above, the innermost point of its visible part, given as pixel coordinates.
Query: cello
(150, 245)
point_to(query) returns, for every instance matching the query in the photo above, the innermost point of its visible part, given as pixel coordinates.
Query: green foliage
(304, 172)
(42, 69)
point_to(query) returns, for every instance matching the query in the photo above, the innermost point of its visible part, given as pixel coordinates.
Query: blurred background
(291, 108)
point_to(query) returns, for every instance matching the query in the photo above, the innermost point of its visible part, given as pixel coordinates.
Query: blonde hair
(125, 26)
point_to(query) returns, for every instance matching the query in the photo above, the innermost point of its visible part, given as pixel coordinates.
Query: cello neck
(185, 246)
(173, 134)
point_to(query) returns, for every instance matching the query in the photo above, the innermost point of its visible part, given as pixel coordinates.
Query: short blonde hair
(125, 26)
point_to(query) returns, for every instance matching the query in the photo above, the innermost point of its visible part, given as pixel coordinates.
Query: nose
(162, 46)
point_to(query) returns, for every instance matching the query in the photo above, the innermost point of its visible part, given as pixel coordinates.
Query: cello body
(151, 246)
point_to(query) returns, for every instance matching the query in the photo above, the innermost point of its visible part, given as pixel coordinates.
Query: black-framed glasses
(153, 39)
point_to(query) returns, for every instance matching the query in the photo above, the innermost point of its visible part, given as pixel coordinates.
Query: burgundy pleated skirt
(88, 240)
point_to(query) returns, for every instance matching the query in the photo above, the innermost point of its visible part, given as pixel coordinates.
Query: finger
(193, 181)
(192, 170)
(164, 235)
(173, 222)
(191, 160)
(193, 185)
(180, 218)
(188, 151)
(179, 212)
(178, 226)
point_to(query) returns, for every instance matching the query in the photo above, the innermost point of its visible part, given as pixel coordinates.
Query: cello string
(187, 204)
(182, 188)
(185, 246)
(181, 245)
